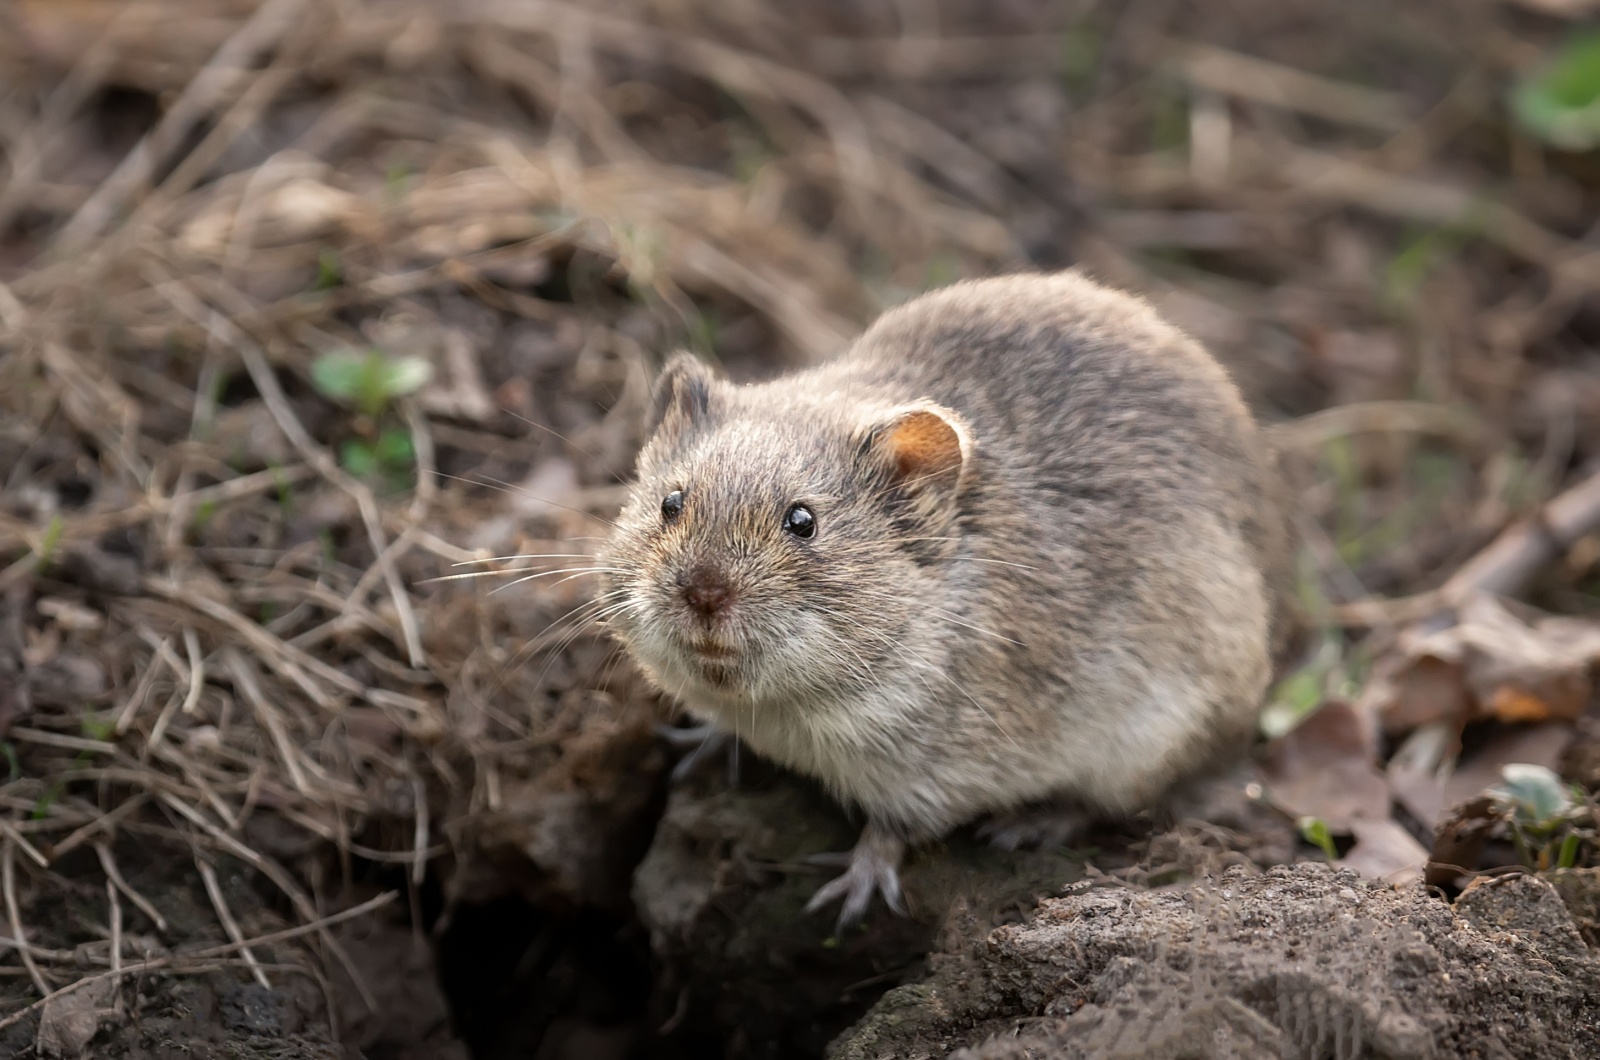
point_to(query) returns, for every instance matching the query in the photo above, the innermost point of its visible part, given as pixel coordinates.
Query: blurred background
(305, 303)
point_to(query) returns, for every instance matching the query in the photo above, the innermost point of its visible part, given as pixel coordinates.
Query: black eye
(672, 506)
(799, 521)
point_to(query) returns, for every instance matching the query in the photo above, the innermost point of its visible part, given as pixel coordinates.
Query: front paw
(873, 867)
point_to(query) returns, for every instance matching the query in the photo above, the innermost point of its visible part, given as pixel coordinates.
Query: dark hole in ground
(522, 981)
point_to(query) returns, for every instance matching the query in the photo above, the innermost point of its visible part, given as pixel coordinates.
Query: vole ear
(924, 445)
(683, 391)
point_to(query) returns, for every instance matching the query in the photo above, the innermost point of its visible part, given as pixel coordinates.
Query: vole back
(1019, 543)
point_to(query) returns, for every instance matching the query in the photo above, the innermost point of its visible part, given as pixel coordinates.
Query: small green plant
(387, 459)
(1550, 821)
(52, 538)
(1560, 101)
(98, 728)
(370, 381)
(330, 270)
(1315, 831)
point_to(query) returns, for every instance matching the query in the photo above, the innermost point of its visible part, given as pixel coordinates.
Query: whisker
(472, 574)
(576, 572)
(531, 555)
(551, 431)
(515, 490)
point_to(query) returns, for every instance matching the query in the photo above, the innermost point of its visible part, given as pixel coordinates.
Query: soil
(1298, 961)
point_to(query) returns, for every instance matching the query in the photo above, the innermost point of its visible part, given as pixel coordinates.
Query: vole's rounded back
(1021, 541)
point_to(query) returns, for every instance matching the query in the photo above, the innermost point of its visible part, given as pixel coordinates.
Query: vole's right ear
(683, 392)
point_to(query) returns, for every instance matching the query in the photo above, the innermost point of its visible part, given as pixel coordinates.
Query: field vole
(1017, 546)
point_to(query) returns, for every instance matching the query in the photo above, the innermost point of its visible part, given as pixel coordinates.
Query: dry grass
(215, 620)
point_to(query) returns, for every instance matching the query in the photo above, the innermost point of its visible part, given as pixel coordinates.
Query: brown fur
(1046, 562)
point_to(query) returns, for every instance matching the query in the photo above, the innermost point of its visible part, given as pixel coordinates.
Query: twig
(255, 362)
(54, 122)
(1511, 560)
(288, 660)
(179, 960)
(1432, 202)
(419, 799)
(116, 933)
(108, 865)
(244, 680)
(280, 878)
(11, 832)
(197, 671)
(230, 925)
(8, 881)
(1245, 77)
(141, 691)
(215, 80)
(61, 740)
(100, 823)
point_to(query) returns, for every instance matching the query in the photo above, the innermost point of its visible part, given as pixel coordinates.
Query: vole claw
(872, 867)
(1045, 828)
(704, 742)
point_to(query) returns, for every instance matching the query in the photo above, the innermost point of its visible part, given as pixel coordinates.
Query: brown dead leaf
(1418, 770)
(1385, 851)
(67, 1024)
(1490, 663)
(1326, 767)
(1407, 693)
(1459, 840)
(1539, 745)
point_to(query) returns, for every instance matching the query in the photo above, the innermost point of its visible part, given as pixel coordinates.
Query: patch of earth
(1297, 961)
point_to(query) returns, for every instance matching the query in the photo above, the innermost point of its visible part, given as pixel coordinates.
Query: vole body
(1019, 543)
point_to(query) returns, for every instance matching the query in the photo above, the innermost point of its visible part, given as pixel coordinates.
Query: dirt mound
(1300, 961)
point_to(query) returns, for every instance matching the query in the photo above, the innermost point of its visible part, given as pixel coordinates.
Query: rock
(1300, 960)
(723, 889)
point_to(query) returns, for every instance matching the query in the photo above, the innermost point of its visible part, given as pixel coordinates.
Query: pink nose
(705, 590)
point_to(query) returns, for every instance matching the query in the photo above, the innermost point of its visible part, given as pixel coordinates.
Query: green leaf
(1314, 830)
(98, 728)
(368, 381)
(405, 375)
(339, 374)
(394, 450)
(52, 538)
(357, 457)
(1293, 701)
(330, 270)
(1569, 851)
(1560, 102)
(1535, 794)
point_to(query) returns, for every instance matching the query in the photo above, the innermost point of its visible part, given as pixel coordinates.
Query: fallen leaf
(1407, 692)
(1385, 851)
(67, 1024)
(1418, 770)
(1485, 662)
(1459, 840)
(1538, 745)
(1534, 672)
(1326, 767)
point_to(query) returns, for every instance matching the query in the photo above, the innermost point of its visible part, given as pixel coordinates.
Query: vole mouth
(712, 650)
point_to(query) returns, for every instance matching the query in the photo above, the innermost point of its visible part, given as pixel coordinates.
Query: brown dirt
(1299, 961)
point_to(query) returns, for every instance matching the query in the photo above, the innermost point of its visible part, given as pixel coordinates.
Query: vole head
(779, 538)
